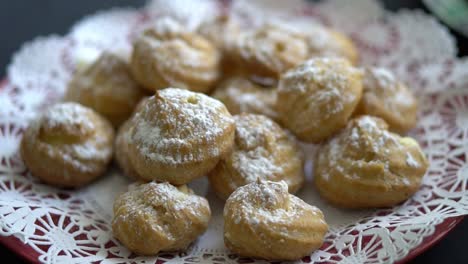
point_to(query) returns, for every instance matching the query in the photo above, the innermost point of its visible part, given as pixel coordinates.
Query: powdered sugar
(68, 132)
(251, 130)
(161, 207)
(168, 193)
(387, 86)
(267, 202)
(67, 114)
(167, 25)
(175, 121)
(253, 165)
(384, 77)
(249, 101)
(369, 138)
(190, 13)
(274, 46)
(242, 96)
(252, 156)
(324, 82)
(410, 161)
(178, 54)
(325, 72)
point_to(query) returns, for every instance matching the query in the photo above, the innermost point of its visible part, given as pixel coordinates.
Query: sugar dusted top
(174, 123)
(367, 144)
(73, 134)
(328, 87)
(266, 202)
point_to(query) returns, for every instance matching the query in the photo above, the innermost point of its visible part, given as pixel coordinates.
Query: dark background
(22, 20)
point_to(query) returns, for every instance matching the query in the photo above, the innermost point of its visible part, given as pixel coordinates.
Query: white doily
(65, 226)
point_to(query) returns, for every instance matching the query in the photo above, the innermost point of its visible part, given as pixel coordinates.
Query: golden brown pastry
(316, 98)
(107, 87)
(223, 32)
(122, 140)
(121, 153)
(262, 150)
(270, 50)
(386, 97)
(179, 135)
(263, 220)
(167, 55)
(366, 166)
(69, 145)
(240, 95)
(324, 42)
(156, 217)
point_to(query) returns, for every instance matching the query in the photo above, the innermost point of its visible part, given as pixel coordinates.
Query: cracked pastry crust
(317, 98)
(156, 217)
(240, 95)
(107, 87)
(386, 97)
(270, 50)
(68, 146)
(179, 135)
(167, 55)
(262, 150)
(367, 166)
(263, 220)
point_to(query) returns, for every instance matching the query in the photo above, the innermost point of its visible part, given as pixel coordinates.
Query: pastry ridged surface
(388, 98)
(121, 151)
(167, 55)
(368, 166)
(240, 95)
(69, 145)
(317, 98)
(263, 220)
(270, 50)
(262, 150)
(107, 87)
(159, 217)
(179, 135)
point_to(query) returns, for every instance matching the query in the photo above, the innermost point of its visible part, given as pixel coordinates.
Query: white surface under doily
(73, 226)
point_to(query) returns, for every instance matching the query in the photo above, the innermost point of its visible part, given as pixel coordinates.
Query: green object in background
(452, 12)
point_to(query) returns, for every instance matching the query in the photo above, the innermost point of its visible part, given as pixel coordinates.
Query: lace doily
(64, 226)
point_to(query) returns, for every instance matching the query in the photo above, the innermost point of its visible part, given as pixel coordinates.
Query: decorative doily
(64, 226)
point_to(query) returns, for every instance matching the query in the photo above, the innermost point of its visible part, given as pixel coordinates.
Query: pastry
(107, 87)
(167, 55)
(270, 50)
(263, 220)
(324, 42)
(240, 95)
(69, 145)
(121, 153)
(122, 140)
(386, 97)
(223, 32)
(316, 98)
(156, 217)
(179, 135)
(262, 150)
(367, 166)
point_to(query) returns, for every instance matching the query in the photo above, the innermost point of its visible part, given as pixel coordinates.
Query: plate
(53, 225)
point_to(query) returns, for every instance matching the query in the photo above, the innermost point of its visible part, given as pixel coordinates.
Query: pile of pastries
(232, 104)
